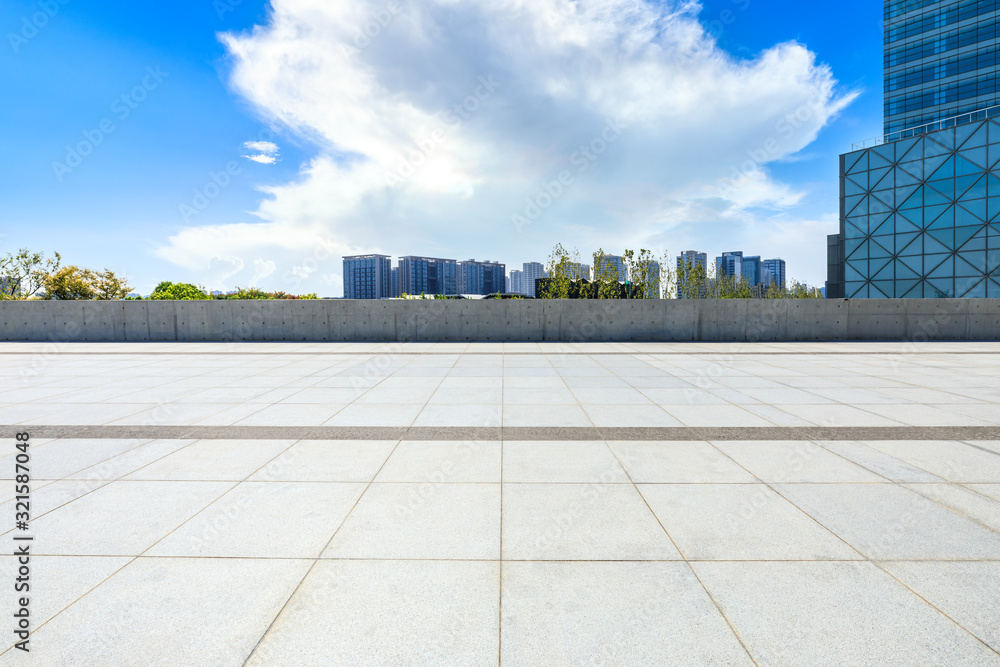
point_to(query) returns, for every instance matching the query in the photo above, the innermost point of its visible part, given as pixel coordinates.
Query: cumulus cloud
(264, 152)
(262, 269)
(499, 127)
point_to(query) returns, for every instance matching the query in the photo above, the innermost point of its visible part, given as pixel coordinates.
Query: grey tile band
(458, 434)
(544, 353)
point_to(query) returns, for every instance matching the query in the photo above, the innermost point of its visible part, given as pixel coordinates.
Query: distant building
(689, 258)
(532, 271)
(367, 277)
(653, 281)
(481, 277)
(428, 275)
(775, 270)
(619, 264)
(730, 264)
(752, 269)
(517, 285)
(395, 282)
(579, 271)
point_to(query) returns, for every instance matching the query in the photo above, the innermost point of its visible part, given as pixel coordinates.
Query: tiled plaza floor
(523, 504)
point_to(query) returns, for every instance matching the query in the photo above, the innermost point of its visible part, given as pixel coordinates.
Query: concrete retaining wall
(520, 320)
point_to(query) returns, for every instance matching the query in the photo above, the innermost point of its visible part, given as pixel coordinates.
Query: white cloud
(265, 152)
(262, 159)
(266, 147)
(446, 127)
(262, 269)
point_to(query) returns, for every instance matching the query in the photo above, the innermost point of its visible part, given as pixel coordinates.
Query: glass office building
(941, 60)
(916, 215)
(917, 207)
(773, 272)
(367, 277)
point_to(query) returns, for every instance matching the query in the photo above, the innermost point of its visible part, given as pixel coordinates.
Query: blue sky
(181, 101)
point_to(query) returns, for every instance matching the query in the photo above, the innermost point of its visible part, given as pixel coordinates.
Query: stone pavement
(524, 504)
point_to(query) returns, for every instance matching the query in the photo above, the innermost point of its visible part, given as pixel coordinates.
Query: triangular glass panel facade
(918, 213)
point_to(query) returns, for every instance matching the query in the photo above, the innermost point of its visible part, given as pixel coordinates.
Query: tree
(167, 291)
(109, 287)
(605, 276)
(70, 283)
(562, 270)
(23, 274)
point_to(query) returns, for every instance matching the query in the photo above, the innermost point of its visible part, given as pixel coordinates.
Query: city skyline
(198, 176)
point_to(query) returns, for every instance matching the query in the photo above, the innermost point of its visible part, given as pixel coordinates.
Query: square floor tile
(889, 522)
(581, 522)
(123, 518)
(434, 521)
(560, 462)
(630, 415)
(740, 522)
(714, 415)
(230, 460)
(923, 415)
(880, 463)
(837, 415)
(66, 579)
(834, 614)
(678, 463)
(443, 462)
(967, 592)
(131, 460)
(171, 612)
(954, 461)
(376, 414)
(544, 415)
(991, 490)
(292, 414)
(962, 500)
(389, 613)
(612, 614)
(265, 520)
(327, 461)
(794, 462)
(63, 458)
(460, 415)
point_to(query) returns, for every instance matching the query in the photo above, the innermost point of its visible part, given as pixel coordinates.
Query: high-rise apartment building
(916, 207)
(367, 277)
(428, 275)
(686, 261)
(532, 271)
(481, 277)
(618, 265)
(516, 285)
(395, 282)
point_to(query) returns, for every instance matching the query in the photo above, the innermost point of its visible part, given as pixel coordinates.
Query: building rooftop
(262, 504)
